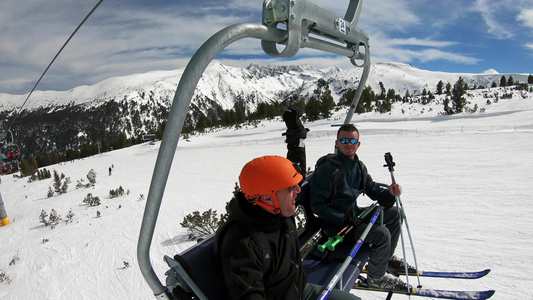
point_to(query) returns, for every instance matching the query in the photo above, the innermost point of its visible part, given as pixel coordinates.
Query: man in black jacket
(337, 206)
(258, 245)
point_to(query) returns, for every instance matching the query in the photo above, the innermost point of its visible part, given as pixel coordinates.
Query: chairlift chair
(289, 25)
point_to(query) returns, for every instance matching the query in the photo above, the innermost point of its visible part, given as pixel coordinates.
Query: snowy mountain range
(223, 83)
(137, 104)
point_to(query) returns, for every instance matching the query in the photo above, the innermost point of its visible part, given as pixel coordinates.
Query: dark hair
(347, 127)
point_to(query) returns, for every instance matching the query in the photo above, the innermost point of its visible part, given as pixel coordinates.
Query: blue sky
(123, 37)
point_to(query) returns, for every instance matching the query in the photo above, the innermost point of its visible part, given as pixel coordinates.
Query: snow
(466, 182)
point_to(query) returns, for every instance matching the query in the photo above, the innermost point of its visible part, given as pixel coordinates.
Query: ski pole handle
(324, 246)
(389, 162)
(336, 241)
(333, 241)
(330, 243)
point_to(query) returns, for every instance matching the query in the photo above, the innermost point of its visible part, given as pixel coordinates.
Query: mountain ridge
(134, 105)
(123, 86)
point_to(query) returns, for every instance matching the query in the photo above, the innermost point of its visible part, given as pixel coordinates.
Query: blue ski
(440, 294)
(461, 275)
(445, 294)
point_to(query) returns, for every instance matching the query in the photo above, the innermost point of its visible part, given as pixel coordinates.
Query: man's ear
(267, 199)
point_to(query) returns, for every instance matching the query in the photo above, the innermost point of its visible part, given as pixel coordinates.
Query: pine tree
(448, 89)
(530, 79)
(503, 81)
(91, 176)
(60, 186)
(458, 92)
(29, 167)
(391, 94)
(510, 81)
(312, 109)
(440, 87)
(365, 102)
(326, 104)
(447, 109)
(200, 225)
(160, 129)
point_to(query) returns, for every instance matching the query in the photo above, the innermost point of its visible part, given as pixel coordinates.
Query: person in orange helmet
(258, 246)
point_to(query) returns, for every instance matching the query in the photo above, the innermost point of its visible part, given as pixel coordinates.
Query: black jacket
(250, 271)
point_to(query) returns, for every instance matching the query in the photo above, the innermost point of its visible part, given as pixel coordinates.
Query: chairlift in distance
(10, 154)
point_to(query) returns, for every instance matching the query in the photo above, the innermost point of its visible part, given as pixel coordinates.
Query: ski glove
(354, 221)
(388, 202)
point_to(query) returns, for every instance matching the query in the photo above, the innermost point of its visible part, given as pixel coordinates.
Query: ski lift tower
(287, 26)
(3, 215)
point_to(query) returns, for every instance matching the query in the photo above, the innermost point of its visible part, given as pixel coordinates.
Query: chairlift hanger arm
(178, 112)
(305, 20)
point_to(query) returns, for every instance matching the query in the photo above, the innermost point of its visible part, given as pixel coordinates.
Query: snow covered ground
(466, 181)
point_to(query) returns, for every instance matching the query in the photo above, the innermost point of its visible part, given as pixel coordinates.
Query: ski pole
(403, 219)
(333, 241)
(325, 293)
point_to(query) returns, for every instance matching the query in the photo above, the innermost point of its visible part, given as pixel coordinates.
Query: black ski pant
(382, 239)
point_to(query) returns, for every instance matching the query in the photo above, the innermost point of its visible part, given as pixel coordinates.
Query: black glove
(388, 202)
(354, 221)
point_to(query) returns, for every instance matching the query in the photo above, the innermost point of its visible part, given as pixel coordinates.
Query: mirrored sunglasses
(351, 141)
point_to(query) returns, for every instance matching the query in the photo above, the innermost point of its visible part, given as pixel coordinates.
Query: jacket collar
(346, 160)
(254, 216)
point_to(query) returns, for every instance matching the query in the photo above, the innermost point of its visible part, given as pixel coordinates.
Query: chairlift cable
(42, 75)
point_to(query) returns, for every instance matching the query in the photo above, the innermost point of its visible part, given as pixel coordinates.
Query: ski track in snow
(466, 196)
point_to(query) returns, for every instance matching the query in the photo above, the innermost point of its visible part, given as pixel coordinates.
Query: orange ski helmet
(266, 175)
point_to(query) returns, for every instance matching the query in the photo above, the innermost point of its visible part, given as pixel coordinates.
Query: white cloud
(421, 42)
(488, 10)
(124, 37)
(387, 49)
(434, 54)
(389, 15)
(526, 17)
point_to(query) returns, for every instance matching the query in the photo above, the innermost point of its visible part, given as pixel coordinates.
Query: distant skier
(110, 171)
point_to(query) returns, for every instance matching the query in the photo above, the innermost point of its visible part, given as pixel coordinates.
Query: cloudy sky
(133, 36)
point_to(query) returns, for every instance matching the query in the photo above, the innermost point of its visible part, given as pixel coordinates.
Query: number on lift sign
(342, 26)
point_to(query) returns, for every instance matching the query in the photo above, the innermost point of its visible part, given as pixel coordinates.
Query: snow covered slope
(466, 181)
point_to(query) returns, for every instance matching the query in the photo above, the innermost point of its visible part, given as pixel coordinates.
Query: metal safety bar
(302, 19)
